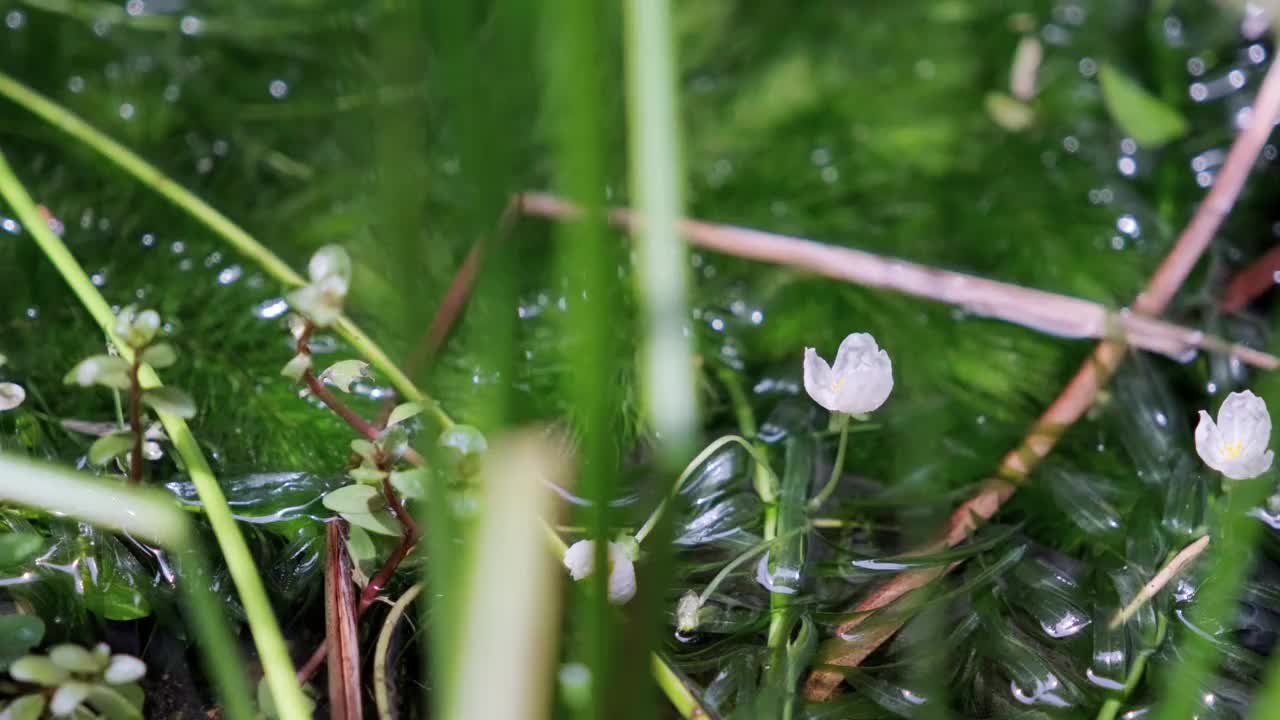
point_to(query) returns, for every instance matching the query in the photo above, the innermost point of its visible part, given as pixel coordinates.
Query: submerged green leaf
(18, 548)
(27, 707)
(345, 372)
(1143, 116)
(160, 355)
(18, 634)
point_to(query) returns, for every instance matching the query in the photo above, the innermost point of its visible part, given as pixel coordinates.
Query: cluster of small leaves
(72, 681)
(137, 330)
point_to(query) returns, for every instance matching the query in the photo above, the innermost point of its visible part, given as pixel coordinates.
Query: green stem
(262, 622)
(675, 689)
(151, 176)
(694, 464)
(842, 420)
(1112, 705)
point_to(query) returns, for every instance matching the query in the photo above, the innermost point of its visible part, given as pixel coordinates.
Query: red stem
(135, 422)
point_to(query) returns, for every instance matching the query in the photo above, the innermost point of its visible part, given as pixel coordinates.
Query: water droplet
(229, 274)
(10, 226)
(177, 247)
(278, 89)
(190, 25)
(126, 111)
(135, 7)
(273, 308)
(14, 20)
(1195, 67)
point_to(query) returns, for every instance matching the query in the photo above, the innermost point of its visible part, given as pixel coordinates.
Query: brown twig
(1250, 283)
(1052, 313)
(454, 300)
(340, 622)
(135, 422)
(1074, 399)
(409, 536)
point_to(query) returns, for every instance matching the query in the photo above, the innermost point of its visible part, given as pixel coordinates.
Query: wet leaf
(1083, 499)
(108, 447)
(170, 400)
(344, 372)
(355, 499)
(17, 548)
(403, 412)
(364, 554)
(411, 484)
(1143, 116)
(18, 634)
(466, 439)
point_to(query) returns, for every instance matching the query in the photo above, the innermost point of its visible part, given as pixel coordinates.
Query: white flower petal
(1236, 444)
(858, 382)
(11, 396)
(579, 559)
(622, 575)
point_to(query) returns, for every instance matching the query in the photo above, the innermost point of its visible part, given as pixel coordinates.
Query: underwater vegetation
(718, 359)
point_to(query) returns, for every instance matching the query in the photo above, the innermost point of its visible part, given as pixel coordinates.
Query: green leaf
(344, 372)
(112, 704)
(100, 370)
(364, 449)
(465, 439)
(109, 446)
(364, 555)
(170, 400)
(160, 356)
(403, 412)
(17, 548)
(27, 707)
(1140, 114)
(379, 522)
(411, 483)
(1011, 114)
(137, 329)
(368, 474)
(18, 634)
(38, 669)
(355, 499)
(73, 658)
(297, 366)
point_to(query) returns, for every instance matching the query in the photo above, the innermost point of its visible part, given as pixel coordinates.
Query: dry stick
(1052, 313)
(1245, 286)
(1162, 578)
(1028, 307)
(1080, 391)
(411, 533)
(454, 300)
(340, 623)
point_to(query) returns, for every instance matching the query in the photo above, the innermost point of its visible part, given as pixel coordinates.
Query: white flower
(11, 396)
(687, 612)
(321, 300)
(858, 382)
(1236, 445)
(580, 561)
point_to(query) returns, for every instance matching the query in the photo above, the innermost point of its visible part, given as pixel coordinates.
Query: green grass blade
(262, 622)
(145, 514)
(657, 183)
(244, 243)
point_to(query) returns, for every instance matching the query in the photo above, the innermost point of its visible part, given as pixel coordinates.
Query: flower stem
(842, 421)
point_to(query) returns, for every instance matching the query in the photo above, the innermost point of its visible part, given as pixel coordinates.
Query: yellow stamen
(1231, 450)
(836, 385)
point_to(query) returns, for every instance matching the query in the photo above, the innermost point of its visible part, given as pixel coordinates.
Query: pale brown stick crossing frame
(1076, 397)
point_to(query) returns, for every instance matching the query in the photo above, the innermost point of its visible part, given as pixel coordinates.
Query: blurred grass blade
(510, 595)
(219, 224)
(276, 663)
(150, 515)
(657, 184)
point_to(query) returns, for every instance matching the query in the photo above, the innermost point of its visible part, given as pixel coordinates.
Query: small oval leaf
(39, 670)
(355, 499)
(27, 707)
(74, 658)
(160, 356)
(344, 372)
(403, 412)
(124, 669)
(100, 370)
(1139, 113)
(107, 447)
(170, 400)
(377, 522)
